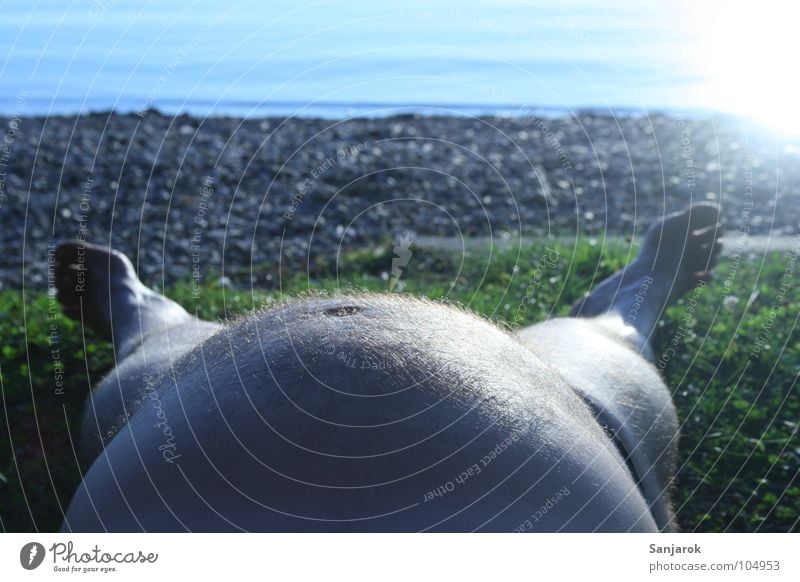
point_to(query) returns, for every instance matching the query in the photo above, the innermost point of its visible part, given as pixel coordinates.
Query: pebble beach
(190, 197)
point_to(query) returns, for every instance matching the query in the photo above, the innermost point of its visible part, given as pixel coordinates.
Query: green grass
(740, 453)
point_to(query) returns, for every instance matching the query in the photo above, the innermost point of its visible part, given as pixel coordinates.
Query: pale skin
(382, 412)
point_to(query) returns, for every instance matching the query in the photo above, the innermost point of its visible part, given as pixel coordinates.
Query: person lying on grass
(266, 423)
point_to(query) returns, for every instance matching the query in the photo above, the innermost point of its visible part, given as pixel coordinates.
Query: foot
(99, 287)
(684, 248)
(677, 254)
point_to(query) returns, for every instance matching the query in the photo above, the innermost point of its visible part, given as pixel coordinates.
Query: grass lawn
(731, 354)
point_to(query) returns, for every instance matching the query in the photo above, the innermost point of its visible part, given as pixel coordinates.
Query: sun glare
(747, 53)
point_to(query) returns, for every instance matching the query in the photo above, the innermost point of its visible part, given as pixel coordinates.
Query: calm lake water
(333, 58)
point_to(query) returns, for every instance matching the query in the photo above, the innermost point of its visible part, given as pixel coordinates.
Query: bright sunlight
(747, 52)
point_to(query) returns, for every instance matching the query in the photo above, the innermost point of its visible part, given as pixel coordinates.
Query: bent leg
(677, 254)
(604, 354)
(99, 287)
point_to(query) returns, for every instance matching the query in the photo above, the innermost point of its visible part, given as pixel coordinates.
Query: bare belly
(361, 414)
